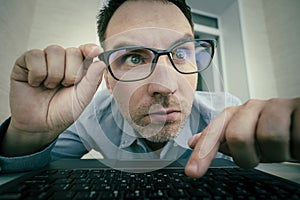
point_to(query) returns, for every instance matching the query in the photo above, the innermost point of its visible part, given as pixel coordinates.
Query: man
(143, 114)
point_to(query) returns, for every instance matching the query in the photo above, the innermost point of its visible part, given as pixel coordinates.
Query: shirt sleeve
(68, 145)
(26, 163)
(23, 163)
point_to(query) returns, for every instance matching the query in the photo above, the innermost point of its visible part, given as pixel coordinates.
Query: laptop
(145, 179)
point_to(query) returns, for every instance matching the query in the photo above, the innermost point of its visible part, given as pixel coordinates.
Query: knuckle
(236, 138)
(54, 49)
(230, 110)
(34, 53)
(296, 101)
(274, 137)
(38, 74)
(73, 51)
(274, 103)
(35, 63)
(252, 103)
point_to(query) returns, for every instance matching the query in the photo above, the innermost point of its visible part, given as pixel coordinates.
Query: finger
(273, 131)
(295, 130)
(87, 87)
(193, 140)
(240, 134)
(208, 144)
(35, 63)
(55, 56)
(90, 50)
(73, 69)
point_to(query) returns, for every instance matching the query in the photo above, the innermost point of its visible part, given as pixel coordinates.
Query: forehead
(148, 23)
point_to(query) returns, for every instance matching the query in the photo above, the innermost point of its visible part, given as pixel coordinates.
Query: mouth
(164, 115)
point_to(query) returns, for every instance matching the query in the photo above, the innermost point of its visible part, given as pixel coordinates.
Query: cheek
(127, 96)
(193, 80)
(188, 85)
(186, 90)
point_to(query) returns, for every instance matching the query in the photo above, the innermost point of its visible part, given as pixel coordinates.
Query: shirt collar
(128, 136)
(184, 135)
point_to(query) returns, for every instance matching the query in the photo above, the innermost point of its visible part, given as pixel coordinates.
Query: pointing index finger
(208, 144)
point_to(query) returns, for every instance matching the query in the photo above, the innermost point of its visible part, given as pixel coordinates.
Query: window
(207, 27)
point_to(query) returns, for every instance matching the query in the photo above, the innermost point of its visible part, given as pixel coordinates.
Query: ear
(108, 86)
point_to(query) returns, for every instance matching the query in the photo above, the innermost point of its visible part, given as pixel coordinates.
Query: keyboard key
(231, 183)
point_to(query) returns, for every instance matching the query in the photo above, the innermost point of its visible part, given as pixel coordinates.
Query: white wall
(283, 29)
(37, 24)
(259, 63)
(271, 32)
(64, 22)
(15, 24)
(235, 73)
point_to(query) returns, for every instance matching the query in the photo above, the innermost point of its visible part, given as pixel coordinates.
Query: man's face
(158, 106)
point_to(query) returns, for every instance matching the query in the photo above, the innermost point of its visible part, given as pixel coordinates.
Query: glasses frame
(157, 53)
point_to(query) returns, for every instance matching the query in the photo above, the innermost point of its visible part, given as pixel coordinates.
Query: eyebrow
(186, 36)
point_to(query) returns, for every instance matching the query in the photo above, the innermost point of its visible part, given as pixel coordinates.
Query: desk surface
(287, 170)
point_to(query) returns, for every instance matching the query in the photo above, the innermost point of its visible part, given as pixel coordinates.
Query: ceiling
(216, 7)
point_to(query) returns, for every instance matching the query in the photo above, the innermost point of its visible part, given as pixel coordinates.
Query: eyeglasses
(134, 63)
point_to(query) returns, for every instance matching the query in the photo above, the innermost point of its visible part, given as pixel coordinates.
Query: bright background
(259, 40)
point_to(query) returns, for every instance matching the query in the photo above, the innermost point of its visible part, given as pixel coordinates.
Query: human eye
(181, 55)
(133, 59)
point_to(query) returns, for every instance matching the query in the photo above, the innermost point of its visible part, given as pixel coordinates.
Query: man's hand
(49, 90)
(257, 131)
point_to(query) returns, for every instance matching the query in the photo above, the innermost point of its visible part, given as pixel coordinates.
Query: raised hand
(49, 90)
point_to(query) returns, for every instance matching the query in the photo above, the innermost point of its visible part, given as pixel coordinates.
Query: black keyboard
(218, 183)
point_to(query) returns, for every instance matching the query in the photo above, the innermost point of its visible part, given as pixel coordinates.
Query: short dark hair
(109, 9)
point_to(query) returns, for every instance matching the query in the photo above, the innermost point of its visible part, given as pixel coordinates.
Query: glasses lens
(204, 54)
(192, 56)
(136, 63)
(131, 63)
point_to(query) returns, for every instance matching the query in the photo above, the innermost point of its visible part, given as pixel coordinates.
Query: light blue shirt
(101, 127)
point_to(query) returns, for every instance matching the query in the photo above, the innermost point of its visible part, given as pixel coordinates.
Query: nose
(164, 79)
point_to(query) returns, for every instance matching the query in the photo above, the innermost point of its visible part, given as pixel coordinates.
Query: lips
(165, 115)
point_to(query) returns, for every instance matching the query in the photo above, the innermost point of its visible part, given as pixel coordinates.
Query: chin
(160, 138)
(164, 134)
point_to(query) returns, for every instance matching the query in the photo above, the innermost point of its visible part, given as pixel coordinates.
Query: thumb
(87, 87)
